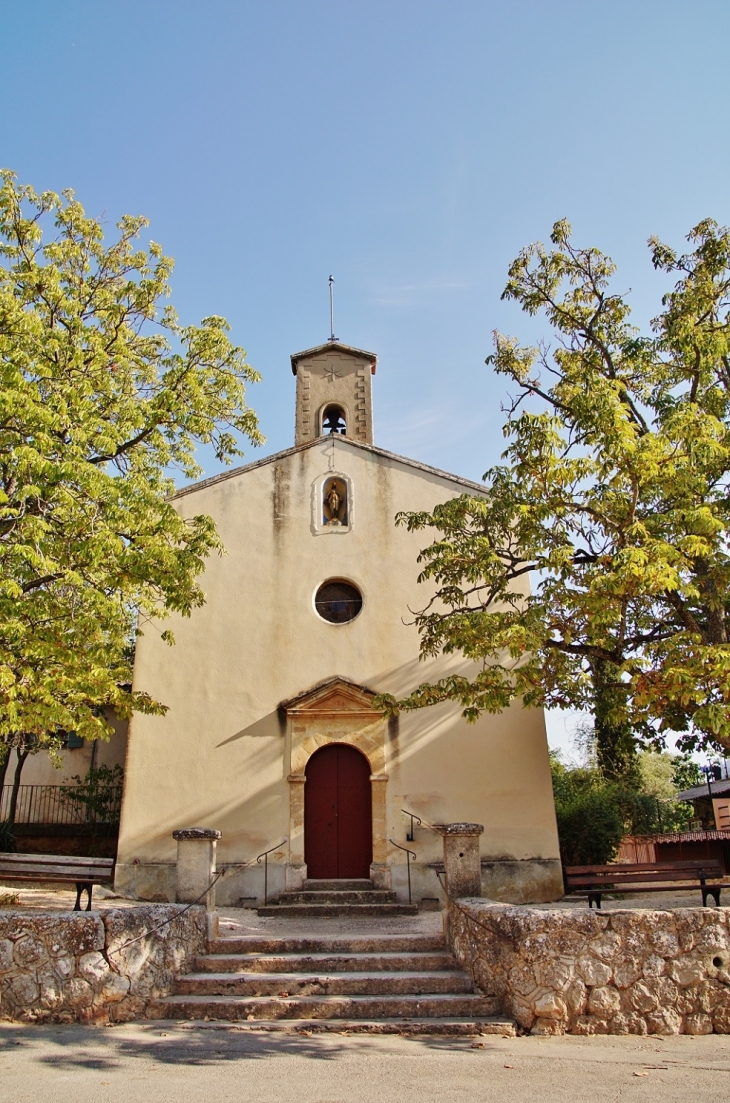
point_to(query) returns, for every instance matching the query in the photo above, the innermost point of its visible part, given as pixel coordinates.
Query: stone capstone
(196, 833)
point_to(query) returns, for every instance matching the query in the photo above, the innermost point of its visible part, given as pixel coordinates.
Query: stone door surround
(337, 711)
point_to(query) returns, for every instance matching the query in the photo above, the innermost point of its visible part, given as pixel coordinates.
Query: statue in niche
(334, 504)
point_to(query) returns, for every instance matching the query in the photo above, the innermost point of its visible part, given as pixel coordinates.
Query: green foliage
(613, 498)
(102, 394)
(686, 773)
(98, 795)
(594, 814)
(590, 821)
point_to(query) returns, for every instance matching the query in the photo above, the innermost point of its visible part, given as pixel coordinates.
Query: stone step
(328, 944)
(328, 896)
(353, 884)
(306, 911)
(453, 1026)
(324, 963)
(238, 1008)
(285, 985)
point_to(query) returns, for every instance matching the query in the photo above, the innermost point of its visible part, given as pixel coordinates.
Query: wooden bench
(82, 872)
(594, 881)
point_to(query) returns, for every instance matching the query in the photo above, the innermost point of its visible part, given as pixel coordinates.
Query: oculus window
(338, 601)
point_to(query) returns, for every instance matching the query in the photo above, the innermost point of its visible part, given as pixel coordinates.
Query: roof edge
(297, 356)
(337, 440)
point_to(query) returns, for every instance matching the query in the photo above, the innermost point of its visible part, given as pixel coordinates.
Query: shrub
(594, 814)
(7, 837)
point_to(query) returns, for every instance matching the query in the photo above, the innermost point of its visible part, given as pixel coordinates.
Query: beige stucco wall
(220, 756)
(39, 769)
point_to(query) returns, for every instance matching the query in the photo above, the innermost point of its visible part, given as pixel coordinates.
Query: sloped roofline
(337, 440)
(297, 356)
(696, 792)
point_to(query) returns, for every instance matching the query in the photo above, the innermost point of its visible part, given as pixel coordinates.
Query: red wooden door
(338, 821)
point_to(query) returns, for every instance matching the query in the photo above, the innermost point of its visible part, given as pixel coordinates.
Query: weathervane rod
(332, 308)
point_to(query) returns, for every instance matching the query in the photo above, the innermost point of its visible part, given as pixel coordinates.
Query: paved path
(197, 1063)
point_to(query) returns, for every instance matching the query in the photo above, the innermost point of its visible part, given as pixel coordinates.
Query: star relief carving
(333, 372)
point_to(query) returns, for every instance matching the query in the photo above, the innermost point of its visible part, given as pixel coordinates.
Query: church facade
(270, 734)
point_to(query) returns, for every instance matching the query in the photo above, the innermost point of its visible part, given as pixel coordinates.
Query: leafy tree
(613, 497)
(102, 394)
(594, 813)
(686, 773)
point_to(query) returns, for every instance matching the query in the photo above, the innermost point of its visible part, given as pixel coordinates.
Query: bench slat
(621, 889)
(72, 879)
(640, 877)
(55, 859)
(43, 868)
(648, 866)
(635, 878)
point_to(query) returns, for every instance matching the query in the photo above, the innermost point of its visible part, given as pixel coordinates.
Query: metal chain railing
(450, 899)
(221, 872)
(172, 919)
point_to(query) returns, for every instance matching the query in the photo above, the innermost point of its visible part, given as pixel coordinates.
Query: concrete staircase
(387, 984)
(337, 898)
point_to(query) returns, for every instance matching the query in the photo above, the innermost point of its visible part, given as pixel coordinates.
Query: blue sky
(411, 148)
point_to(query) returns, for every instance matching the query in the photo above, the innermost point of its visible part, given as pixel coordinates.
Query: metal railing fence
(50, 804)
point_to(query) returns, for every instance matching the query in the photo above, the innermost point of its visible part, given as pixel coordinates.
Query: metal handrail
(265, 855)
(411, 856)
(419, 821)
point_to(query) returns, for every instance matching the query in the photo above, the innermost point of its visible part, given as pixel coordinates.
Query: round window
(338, 601)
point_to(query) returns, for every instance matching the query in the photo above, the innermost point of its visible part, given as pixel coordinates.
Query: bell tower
(334, 392)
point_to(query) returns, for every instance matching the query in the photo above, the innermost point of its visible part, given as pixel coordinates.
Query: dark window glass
(338, 602)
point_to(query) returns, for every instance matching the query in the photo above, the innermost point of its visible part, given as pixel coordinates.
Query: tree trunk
(4, 769)
(22, 755)
(615, 743)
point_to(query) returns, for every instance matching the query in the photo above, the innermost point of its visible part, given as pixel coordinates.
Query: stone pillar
(295, 873)
(196, 865)
(379, 870)
(462, 861)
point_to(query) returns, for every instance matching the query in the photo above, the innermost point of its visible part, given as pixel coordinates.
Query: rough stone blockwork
(587, 972)
(61, 967)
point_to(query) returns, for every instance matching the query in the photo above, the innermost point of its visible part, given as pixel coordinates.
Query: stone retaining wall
(63, 966)
(587, 972)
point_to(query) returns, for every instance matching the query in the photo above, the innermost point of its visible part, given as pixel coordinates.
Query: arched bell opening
(338, 819)
(334, 421)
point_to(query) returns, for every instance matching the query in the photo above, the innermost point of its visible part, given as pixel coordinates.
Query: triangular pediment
(339, 442)
(337, 695)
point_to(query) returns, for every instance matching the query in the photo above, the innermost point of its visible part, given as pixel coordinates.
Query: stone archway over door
(338, 822)
(336, 712)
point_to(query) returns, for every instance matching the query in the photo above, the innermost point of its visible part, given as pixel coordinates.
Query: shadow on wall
(271, 725)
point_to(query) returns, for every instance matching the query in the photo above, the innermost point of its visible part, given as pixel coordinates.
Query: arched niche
(324, 520)
(334, 501)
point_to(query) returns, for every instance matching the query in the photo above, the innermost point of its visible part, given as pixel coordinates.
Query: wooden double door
(338, 819)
